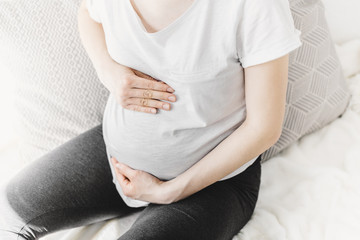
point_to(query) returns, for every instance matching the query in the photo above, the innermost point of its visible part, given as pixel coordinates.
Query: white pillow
(58, 94)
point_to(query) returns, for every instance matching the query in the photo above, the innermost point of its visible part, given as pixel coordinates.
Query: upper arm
(266, 34)
(265, 95)
(93, 8)
(82, 6)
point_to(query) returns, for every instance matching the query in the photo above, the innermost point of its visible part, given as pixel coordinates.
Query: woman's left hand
(138, 184)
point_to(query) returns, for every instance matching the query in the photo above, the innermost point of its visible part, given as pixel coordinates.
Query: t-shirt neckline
(165, 29)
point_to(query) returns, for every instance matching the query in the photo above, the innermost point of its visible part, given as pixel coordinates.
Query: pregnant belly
(166, 144)
(160, 144)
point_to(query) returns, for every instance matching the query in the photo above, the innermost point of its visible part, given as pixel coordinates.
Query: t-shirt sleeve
(93, 8)
(265, 32)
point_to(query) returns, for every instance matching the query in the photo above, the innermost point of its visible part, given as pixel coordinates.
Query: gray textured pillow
(59, 95)
(317, 92)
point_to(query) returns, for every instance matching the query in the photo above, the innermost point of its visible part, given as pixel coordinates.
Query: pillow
(59, 95)
(317, 92)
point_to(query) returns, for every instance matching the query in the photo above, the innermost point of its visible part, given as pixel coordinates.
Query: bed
(311, 190)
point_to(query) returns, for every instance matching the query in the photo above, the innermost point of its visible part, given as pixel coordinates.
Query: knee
(11, 225)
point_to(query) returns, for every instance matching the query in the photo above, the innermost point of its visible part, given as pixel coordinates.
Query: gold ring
(147, 93)
(144, 101)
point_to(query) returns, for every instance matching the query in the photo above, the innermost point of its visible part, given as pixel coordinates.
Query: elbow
(271, 136)
(269, 133)
(275, 136)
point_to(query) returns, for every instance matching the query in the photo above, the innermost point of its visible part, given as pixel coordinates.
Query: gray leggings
(72, 186)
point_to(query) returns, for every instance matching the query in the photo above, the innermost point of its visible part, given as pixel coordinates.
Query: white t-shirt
(201, 55)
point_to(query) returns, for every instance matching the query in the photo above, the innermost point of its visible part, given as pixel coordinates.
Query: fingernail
(171, 98)
(167, 106)
(117, 165)
(170, 89)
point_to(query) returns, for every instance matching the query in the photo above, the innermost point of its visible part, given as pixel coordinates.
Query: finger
(115, 163)
(126, 170)
(146, 102)
(119, 175)
(138, 108)
(126, 187)
(117, 169)
(140, 82)
(147, 93)
(123, 180)
(143, 75)
(124, 184)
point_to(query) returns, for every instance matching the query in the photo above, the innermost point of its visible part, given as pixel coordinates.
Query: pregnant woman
(197, 94)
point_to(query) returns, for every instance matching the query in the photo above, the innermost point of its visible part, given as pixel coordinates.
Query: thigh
(217, 212)
(68, 187)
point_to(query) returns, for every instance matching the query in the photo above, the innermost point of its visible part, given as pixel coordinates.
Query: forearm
(93, 39)
(241, 146)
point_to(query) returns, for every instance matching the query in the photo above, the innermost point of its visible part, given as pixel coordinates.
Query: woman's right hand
(135, 90)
